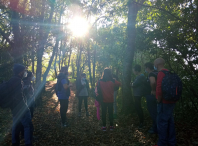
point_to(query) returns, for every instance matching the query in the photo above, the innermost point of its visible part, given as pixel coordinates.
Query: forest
(89, 35)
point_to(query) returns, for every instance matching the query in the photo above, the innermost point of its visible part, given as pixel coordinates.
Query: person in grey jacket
(138, 87)
(82, 93)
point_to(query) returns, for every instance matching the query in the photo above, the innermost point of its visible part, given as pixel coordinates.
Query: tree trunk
(40, 48)
(32, 58)
(51, 59)
(53, 53)
(17, 50)
(89, 65)
(94, 65)
(73, 68)
(78, 63)
(40, 86)
(69, 57)
(55, 65)
(128, 102)
(59, 62)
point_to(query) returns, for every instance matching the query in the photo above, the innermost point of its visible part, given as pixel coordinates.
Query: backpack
(171, 86)
(98, 93)
(59, 86)
(146, 84)
(5, 95)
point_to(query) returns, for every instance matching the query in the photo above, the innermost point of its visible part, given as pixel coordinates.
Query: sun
(79, 26)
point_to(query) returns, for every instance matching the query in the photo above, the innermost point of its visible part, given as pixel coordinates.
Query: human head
(19, 70)
(149, 67)
(137, 69)
(107, 76)
(83, 75)
(30, 76)
(159, 63)
(64, 70)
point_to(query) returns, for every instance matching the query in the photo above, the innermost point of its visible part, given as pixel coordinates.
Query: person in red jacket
(107, 85)
(165, 119)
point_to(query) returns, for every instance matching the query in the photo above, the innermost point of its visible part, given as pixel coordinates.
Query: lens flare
(79, 26)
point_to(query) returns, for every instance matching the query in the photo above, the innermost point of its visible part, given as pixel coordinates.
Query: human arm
(153, 85)
(117, 83)
(138, 81)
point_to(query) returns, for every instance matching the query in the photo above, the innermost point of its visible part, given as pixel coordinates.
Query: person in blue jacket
(63, 93)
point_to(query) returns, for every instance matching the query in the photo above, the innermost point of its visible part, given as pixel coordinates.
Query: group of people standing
(63, 92)
(108, 85)
(161, 110)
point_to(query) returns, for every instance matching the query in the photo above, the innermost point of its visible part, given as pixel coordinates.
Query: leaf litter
(86, 131)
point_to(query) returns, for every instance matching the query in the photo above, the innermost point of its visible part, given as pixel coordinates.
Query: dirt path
(84, 131)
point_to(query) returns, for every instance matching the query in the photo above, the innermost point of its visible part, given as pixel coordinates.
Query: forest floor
(86, 131)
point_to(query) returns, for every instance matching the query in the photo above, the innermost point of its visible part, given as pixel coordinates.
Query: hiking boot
(79, 114)
(112, 128)
(141, 126)
(87, 114)
(104, 128)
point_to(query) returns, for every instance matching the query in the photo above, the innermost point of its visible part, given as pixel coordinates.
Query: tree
(133, 9)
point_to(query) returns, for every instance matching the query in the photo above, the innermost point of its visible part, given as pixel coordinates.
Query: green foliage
(165, 29)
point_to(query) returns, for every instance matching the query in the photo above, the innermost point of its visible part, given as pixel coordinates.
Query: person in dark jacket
(107, 86)
(150, 96)
(63, 94)
(20, 111)
(82, 93)
(138, 92)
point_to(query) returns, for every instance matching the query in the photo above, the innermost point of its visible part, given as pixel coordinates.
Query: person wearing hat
(63, 93)
(20, 111)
